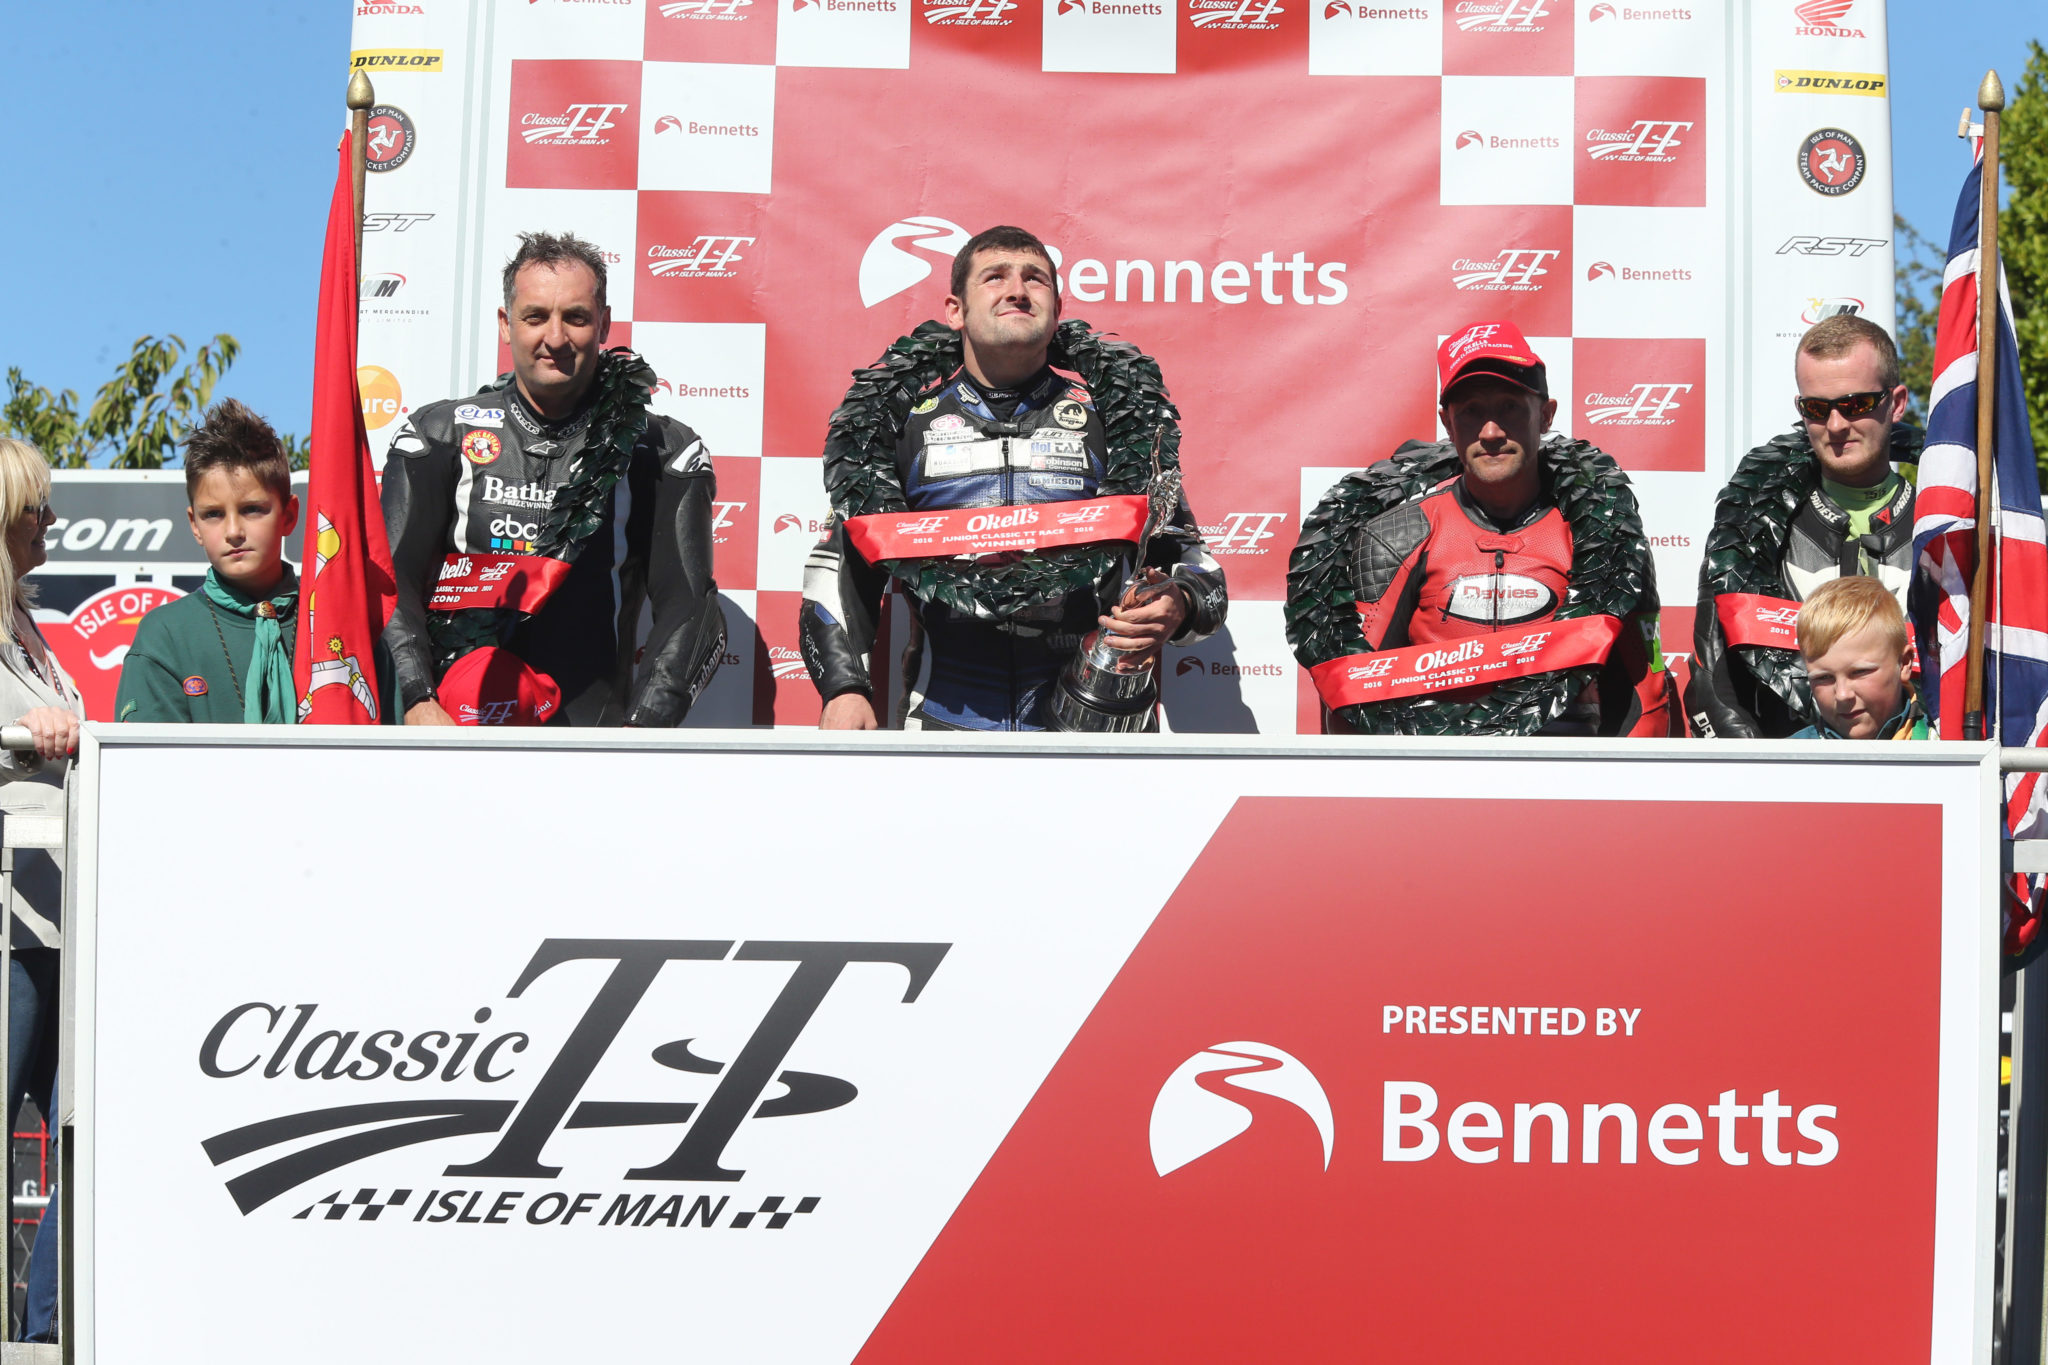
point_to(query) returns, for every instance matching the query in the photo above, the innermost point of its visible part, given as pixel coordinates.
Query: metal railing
(18, 833)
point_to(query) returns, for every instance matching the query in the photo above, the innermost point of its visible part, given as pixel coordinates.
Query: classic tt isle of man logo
(1191, 1118)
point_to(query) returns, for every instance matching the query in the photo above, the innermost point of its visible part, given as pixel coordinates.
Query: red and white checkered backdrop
(1288, 202)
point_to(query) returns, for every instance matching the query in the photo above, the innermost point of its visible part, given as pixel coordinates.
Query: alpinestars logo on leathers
(261, 1040)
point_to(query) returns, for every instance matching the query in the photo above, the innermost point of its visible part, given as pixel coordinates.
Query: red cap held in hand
(1495, 348)
(493, 686)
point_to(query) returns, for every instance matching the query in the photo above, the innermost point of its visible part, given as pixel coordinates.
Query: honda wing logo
(1190, 1119)
(1645, 405)
(583, 126)
(887, 268)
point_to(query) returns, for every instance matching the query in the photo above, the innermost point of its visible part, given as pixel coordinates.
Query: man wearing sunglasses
(1856, 519)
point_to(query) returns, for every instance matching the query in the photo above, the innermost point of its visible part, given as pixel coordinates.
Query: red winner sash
(473, 580)
(1385, 674)
(995, 530)
(1751, 619)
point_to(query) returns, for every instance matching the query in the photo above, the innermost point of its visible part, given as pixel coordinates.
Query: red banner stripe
(1754, 619)
(1385, 674)
(995, 530)
(520, 581)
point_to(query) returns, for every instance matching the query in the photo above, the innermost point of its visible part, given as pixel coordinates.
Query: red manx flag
(348, 591)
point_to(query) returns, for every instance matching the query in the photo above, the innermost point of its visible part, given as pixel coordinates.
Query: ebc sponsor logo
(1824, 19)
(723, 10)
(1234, 14)
(970, 13)
(1500, 16)
(1244, 533)
(1832, 162)
(707, 257)
(1515, 270)
(391, 139)
(1642, 405)
(580, 125)
(1646, 140)
(500, 1083)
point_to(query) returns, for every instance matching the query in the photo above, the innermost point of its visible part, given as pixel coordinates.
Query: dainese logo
(888, 267)
(708, 257)
(1650, 140)
(1514, 270)
(1644, 405)
(583, 125)
(1501, 16)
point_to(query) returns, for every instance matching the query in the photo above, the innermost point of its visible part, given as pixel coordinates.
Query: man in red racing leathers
(1489, 551)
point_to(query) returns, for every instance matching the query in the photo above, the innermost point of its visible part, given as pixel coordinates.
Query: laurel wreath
(861, 477)
(1745, 551)
(618, 417)
(1611, 576)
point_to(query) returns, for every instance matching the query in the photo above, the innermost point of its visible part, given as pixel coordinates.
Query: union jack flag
(1944, 541)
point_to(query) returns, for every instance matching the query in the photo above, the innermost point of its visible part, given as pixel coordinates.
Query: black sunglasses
(1850, 405)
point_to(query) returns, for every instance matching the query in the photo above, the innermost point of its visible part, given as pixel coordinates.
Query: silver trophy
(1109, 691)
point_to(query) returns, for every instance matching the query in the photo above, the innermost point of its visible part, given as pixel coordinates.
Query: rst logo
(1243, 533)
(1234, 14)
(1515, 270)
(394, 222)
(584, 125)
(707, 257)
(528, 1084)
(970, 13)
(1652, 140)
(1831, 246)
(1500, 16)
(1644, 405)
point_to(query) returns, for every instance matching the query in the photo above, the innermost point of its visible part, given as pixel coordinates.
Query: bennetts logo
(1516, 270)
(888, 267)
(1142, 7)
(1191, 1120)
(1608, 270)
(1472, 137)
(259, 1041)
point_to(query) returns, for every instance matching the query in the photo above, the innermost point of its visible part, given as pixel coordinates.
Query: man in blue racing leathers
(1005, 430)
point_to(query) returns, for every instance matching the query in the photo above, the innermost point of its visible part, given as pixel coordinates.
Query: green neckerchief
(270, 698)
(1859, 503)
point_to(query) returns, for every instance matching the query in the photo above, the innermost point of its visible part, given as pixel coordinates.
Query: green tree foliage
(2023, 233)
(135, 422)
(1917, 291)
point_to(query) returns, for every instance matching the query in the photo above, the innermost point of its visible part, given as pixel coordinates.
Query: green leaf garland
(1611, 576)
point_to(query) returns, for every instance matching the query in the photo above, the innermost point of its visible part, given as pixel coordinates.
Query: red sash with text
(996, 530)
(1383, 675)
(1752, 619)
(473, 580)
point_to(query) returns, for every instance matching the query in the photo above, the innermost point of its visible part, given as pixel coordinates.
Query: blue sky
(171, 165)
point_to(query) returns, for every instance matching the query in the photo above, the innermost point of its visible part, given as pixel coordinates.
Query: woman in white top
(34, 692)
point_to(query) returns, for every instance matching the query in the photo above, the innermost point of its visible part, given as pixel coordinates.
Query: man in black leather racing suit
(1005, 430)
(1858, 519)
(472, 480)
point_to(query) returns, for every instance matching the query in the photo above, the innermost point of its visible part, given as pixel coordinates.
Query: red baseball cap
(1495, 348)
(493, 686)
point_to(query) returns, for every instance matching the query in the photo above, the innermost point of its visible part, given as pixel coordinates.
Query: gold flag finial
(361, 95)
(1991, 94)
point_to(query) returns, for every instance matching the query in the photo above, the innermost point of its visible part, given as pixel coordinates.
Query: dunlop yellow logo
(1831, 83)
(396, 59)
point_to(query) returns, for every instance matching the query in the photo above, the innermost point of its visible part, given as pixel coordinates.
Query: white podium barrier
(787, 1048)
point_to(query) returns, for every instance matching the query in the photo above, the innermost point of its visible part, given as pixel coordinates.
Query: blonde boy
(1858, 661)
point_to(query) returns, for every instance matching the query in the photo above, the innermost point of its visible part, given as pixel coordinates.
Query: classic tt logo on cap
(1494, 348)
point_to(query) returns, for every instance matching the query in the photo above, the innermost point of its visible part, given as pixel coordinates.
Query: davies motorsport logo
(969, 13)
(1832, 162)
(1234, 14)
(1515, 270)
(1644, 405)
(1645, 140)
(1823, 19)
(391, 139)
(259, 1041)
(1191, 1120)
(707, 257)
(582, 125)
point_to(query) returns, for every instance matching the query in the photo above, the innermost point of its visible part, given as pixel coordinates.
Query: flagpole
(361, 95)
(1991, 99)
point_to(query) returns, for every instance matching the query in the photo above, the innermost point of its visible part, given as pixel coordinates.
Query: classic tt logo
(1512, 14)
(709, 256)
(1643, 405)
(1242, 532)
(1647, 139)
(1515, 269)
(584, 125)
(1192, 1118)
(239, 1042)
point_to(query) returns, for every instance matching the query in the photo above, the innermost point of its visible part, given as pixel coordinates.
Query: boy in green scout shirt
(223, 655)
